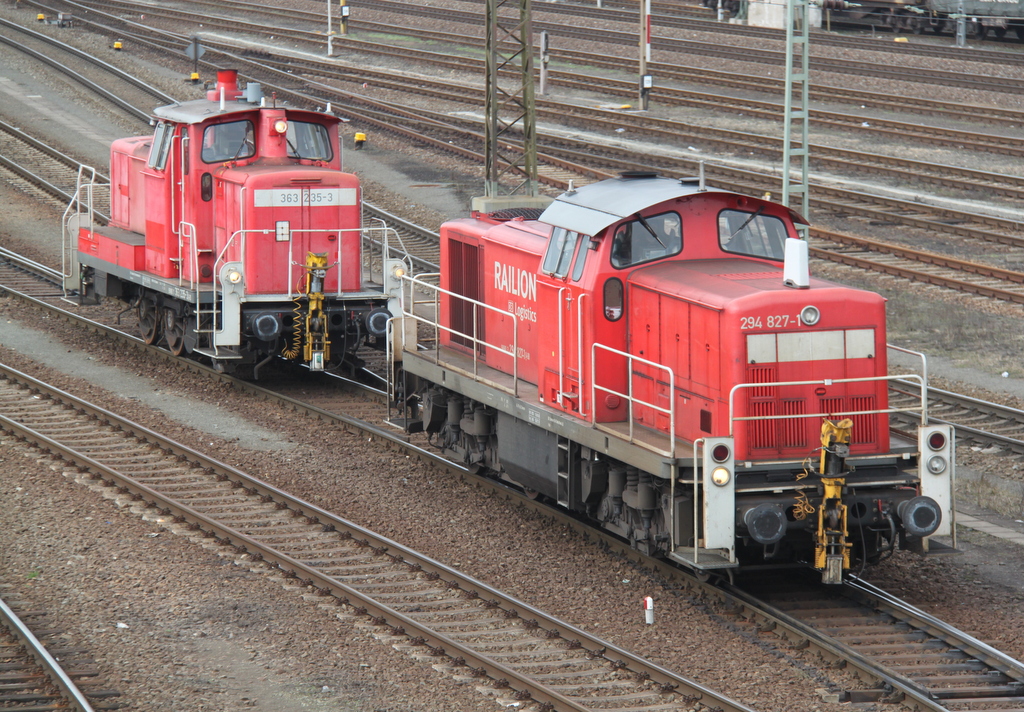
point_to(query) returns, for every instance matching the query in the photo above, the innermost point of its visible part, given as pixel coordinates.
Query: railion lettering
(515, 281)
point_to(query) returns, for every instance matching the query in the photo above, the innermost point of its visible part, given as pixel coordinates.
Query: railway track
(120, 88)
(32, 679)
(742, 51)
(478, 630)
(914, 658)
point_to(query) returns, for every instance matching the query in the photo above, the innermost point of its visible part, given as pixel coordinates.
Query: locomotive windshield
(309, 141)
(228, 142)
(752, 234)
(646, 239)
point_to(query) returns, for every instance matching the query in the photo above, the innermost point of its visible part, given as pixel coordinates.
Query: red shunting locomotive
(653, 355)
(234, 233)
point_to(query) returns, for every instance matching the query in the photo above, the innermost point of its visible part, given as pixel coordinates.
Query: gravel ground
(205, 634)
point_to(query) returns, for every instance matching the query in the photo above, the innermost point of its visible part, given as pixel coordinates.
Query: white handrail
(413, 282)
(670, 411)
(733, 418)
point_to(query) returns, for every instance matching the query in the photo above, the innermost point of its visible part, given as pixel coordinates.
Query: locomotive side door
(564, 263)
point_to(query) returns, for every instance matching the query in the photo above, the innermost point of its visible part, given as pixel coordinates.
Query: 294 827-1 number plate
(772, 321)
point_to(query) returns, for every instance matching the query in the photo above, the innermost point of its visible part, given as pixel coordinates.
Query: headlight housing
(721, 476)
(810, 315)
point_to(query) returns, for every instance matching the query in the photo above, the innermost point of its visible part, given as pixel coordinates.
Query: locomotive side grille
(793, 431)
(864, 426)
(832, 406)
(763, 374)
(762, 433)
(463, 270)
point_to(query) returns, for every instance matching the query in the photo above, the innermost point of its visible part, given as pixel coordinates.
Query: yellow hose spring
(293, 352)
(803, 507)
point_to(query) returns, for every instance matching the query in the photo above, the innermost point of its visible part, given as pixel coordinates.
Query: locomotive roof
(199, 110)
(590, 209)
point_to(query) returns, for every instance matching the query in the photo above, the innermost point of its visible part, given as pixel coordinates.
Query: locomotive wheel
(174, 332)
(1000, 32)
(149, 321)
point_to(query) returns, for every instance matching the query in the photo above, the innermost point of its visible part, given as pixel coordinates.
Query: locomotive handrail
(924, 377)
(79, 206)
(733, 418)
(630, 358)
(437, 291)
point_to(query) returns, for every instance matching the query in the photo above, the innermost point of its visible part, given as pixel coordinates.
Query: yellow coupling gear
(311, 339)
(317, 344)
(831, 548)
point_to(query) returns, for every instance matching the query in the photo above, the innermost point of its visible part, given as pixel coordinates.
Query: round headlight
(721, 476)
(234, 276)
(937, 465)
(810, 315)
(280, 126)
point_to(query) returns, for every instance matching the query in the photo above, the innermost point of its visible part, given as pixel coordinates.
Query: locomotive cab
(640, 353)
(236, 235)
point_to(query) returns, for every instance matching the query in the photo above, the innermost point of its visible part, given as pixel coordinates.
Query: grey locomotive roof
(193, 112)
(590, 209)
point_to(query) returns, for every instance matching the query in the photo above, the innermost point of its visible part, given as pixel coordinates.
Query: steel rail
(78, 77)
(300, 508)
(47, 662)
(715, 49)
(688, 74)
(42, 271)
(882, 600)
(772, 57)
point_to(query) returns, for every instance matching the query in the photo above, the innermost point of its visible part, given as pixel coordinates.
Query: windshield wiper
(640, 219)
(746, 222)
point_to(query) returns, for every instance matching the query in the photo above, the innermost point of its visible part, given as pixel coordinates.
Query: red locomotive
(653, 355)
(234, 234)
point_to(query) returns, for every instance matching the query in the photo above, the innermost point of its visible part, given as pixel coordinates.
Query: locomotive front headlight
(721, 476)
(234, 276)
(810, 315)
(937, 465)
(281, 126)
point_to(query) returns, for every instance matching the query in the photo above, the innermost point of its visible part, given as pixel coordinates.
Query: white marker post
(648, 610)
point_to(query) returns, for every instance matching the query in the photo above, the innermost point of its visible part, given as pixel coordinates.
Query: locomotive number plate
(774, 321)
(287, 197)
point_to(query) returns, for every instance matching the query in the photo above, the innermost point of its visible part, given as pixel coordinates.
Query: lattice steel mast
(510, 111)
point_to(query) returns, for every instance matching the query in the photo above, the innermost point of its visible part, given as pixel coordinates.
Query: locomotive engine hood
(719, 284)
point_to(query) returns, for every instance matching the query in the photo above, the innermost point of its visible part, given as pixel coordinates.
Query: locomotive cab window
(162, 139)
(559, 253)
(228, 142)
(752, 234)
(613, 299)
(646, 239)
(309, 141)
